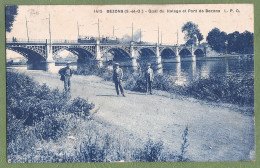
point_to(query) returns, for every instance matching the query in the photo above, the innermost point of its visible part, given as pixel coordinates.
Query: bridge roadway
(40, 51)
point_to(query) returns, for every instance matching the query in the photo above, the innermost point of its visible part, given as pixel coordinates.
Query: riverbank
(215, 133)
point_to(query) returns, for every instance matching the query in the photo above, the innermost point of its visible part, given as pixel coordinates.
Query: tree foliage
(216, 40)
(199, 36)
(192, 33)
(242, 43)
(10, 13)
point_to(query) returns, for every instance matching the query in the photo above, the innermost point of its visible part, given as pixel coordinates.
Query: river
(182, 72)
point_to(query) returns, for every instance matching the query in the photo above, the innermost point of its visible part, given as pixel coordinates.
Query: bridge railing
(64, 41)
(18, 40)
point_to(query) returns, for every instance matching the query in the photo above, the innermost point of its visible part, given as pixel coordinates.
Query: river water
(187, 71)
(182, 72)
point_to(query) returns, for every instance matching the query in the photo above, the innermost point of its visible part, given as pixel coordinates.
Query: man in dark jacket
(149, 78)
(66, 73)
(117, 78)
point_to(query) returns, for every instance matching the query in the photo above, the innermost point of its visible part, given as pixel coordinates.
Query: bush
(215, 88)
(34, 112)
(152, 152)
(221, 89)
(80, 107)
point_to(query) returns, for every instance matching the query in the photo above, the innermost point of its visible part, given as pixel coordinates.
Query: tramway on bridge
(133, 52)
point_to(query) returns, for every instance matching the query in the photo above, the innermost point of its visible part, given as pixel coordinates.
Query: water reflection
(187, 71)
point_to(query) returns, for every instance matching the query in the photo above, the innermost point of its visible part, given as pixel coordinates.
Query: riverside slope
(215, 133)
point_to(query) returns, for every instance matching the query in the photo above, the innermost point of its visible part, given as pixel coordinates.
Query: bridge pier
(178, 57)
(98, 55)
(49, 55)
(158, 60)
(193, 56)
(133, 55)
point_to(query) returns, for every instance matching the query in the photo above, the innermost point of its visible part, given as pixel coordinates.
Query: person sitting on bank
(149, 78)
(66, 73)
(117, 78)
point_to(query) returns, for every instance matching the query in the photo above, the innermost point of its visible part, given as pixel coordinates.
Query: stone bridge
(41, 51)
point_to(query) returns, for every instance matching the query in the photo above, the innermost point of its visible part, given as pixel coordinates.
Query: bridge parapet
(15, 40)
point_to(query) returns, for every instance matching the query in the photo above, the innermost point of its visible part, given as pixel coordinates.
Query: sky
(64, 20)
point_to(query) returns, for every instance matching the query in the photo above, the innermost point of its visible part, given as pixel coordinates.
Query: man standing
(66, 73)
(117, 78)
(149, 78)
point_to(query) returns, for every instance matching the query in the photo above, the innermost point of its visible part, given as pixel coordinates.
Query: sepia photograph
(130, 83)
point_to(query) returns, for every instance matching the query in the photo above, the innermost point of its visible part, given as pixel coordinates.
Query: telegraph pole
(158, 35)
(98, 30)
(161, 37)
(132, 31)
(50, 30)
(113, 31)
(140, 35)
(27, 29)
(177, 38)
(78, 28)
(50, 27)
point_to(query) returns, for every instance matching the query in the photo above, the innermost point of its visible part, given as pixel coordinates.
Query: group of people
(66, 73)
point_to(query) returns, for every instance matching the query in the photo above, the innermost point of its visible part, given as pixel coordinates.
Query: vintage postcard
(130, 83)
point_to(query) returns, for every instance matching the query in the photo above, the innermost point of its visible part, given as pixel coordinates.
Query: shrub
(215, 88)
(80, 107)
(184, 146)
(34, 113)
(151, 152)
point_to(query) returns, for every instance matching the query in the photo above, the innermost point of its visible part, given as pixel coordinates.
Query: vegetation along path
(214, 132)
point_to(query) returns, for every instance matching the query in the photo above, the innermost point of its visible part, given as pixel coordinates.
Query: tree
(217, 40)
(242, 43)
(232, 41)
(245, 43)
(192, 33)
(10, 13)
(199, 36)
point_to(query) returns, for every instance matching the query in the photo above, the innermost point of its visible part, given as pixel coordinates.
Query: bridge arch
(119, 54)
(114, 54)
(184, 52)
(32, 54)
(199, 53)
(167, 53)
(85, 55)
(146, 55)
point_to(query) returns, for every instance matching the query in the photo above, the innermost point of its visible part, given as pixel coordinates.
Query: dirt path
(214, 133)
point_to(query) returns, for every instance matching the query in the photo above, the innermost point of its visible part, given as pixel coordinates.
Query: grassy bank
(43, 126)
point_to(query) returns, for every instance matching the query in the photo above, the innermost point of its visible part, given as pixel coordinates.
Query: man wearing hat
(149, 78)
(66, 73)
(117, 78)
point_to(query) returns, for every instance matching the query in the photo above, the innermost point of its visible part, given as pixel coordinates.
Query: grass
(43, 126)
